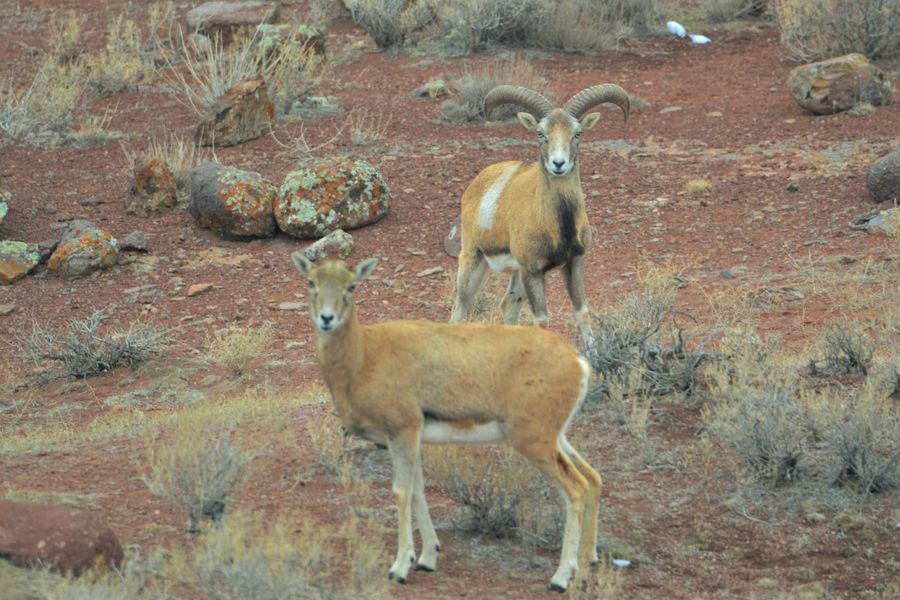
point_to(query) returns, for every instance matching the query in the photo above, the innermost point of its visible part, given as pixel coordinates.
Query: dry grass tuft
(47, 106)
(847, 349)
(235, 347)
(65, 37)
(477, 81)
(698, 186)
(195, 468)
(123, 63)
(179, 154)
(721, 11)
(588, 26)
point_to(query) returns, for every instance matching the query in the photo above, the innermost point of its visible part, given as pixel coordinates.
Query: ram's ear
(302, 263)
(589, 120)
(527, 120)
(365, 268)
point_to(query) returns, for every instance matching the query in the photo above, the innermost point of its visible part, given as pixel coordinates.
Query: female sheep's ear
(589, 120)
(302, 263)
(527, 120)
(365, 268)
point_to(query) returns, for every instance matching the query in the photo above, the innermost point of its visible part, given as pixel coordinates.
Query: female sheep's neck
(341, 353)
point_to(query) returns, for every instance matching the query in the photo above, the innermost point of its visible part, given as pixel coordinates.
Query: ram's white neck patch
(488, 206)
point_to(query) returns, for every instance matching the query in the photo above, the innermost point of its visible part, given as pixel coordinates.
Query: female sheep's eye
(577, 134)
(351, 288)
(312, 284)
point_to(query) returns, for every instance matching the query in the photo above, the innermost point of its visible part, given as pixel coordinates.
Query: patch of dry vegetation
(123, 63)
(235, 347)
(43, 110)
(721, 11)
(476, 81)
(179, 154)
(820, 29)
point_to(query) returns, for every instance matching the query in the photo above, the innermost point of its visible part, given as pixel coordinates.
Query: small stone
(92, 201)
(136, 240)
(198, 288)
(670, 109)
(337, 244)
(436, 88)
(726, 274)
(792, 186)
(430, 272)
(292, 306)
(6, 309)
(17, 259)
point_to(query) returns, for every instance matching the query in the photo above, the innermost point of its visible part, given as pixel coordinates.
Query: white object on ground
(621, 562)
(676, 28)
(699, 39)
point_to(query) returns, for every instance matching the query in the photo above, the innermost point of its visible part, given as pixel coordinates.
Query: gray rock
(44, 249)
(839, 84)
(337, 244)
(883, 178)
(7, 309)
(5, 199)
(436, 88)
(232, 202)
(136, 240)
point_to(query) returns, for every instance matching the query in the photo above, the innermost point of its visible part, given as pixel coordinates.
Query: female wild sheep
(401, 383)
(527, 218)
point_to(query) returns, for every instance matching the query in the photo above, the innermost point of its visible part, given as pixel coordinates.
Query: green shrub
(820, 29)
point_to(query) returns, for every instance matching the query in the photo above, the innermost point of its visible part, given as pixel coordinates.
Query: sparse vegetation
(390, 22)
(847, 349)
(298, 70)
(477, 81)
(235, 347)
(820, 29)
(84, 351)
(698, 186)
(43, 110)
(586, 26)
(196, 468)
(179, 154)
(123, 63)
(330, 444)
(720, 11)
(65, 37)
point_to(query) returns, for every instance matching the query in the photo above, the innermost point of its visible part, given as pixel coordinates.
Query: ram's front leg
(573, 272)
(533, 281)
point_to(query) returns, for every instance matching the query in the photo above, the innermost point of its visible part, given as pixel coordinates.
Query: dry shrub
(586, 25)
(65, 37)
(860, 437)
(246, 558)
(475, 25)
(196, 467)
(698, 186)
(500, 489)
(603, 582)
(755, 412)
(298, 70)
(330, 445)
(391, 22)
(847, 349)
(84, 351)
(123, 63)
(366, 127)
(641, 332)
(819, 29)
(720, 11)
(47, 106)
(236, 346)
(477, 81)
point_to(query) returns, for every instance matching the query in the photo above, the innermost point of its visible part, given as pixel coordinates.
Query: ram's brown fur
(403, 382)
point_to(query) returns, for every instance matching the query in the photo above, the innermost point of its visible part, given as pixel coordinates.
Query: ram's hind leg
(469, 278)
(513, 300)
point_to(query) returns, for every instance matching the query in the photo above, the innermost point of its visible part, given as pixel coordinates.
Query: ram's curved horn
(528, 99)
(598, 94)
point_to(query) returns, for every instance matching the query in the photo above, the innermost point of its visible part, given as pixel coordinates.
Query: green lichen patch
(17, 259)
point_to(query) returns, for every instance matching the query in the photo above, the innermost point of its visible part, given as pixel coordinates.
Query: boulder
(17, 259)
(337, 244)
(839, 84)
(83, 249)
(272, 38)
(341, 194)
(63, 538)
(229, 18)
(153, 189)
(232, 202)
(883, 178)
(243, 113)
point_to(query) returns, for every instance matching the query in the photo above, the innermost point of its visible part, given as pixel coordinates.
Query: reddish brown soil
(737, 127)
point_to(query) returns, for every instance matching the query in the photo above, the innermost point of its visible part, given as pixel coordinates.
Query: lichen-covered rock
(83, 249)
(337, 244)
(883, 178)
(153, 189)
(62, 538)
(229, 18)
(17, 259)
(272, 38)
(243, 113)
(232, 202)
(5, 199)
(838, 84)
(336, 195)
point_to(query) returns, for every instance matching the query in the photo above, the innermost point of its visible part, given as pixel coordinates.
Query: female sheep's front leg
(404, 450)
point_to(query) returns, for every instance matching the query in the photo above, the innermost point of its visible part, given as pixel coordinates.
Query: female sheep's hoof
(555, 587)
(421, 567)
